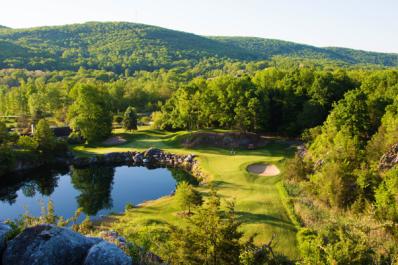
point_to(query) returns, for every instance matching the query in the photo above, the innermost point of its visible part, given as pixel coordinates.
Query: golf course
(258, 202)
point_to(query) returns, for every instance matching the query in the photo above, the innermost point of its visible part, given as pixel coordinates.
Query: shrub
(7, 159)
(129, 206)
(28, 143)
(130, 119)
(75, 138)
(187, 196)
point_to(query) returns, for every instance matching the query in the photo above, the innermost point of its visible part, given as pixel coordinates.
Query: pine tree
(130, 119)
(187, 196)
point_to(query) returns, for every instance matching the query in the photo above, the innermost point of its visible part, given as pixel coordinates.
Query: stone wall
(150, 158)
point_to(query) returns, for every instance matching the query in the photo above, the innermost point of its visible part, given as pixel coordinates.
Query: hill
(117, 46)
(267, 48)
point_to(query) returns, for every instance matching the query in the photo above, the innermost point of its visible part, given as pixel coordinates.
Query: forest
(127, 47)
(340, 104)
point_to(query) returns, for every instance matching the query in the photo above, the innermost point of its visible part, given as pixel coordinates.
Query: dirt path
(264, 169)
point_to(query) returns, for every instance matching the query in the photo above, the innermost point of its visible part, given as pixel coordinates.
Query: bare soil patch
(264, 169)
(114, 140)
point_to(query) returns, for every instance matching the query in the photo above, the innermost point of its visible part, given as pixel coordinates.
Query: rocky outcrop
(52, 245)
(4, 230)
(105, 253)
(389, 159)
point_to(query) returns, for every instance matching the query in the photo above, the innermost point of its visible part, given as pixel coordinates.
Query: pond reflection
(98, 190)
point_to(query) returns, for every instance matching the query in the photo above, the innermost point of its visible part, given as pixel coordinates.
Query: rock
(4, 230)
(390, 158)
(189, 158)
(116, 157)
(138, 158)
(113, 237)
(47, 245)
(105, 253)
(153, 152)
(301, 150)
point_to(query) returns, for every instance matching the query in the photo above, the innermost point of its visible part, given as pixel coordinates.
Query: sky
(360, 24)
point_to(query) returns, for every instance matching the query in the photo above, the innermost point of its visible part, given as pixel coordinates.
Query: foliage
(187, 196)
(212, 237)
(7, 159)
(4, 134)
(130, 119)
(90, 113)
(47, 216)
(75, 138)
(127, 47)
(386, 196)
(336, 245)
(296, 169)
(44, 137)
(28, 143)
(273, 100)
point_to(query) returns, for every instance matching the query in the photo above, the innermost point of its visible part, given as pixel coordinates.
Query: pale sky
(360, 24)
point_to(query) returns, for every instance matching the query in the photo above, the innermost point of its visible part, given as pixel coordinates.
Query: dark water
(98, 190)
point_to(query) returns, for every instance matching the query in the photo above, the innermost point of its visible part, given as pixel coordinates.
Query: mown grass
(258, 202)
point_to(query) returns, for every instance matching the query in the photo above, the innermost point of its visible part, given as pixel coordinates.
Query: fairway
(258, 203)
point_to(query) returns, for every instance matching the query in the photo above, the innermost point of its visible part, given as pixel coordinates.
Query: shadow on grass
(253, 218)
(217, 184)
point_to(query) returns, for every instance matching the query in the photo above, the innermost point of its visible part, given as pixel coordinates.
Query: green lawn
(257, 199)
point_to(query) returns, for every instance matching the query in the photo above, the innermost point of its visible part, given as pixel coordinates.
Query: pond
(98, 190)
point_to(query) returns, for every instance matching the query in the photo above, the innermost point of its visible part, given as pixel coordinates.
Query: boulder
(47, 245)
(114, 237)
(189, 158)
(4, 230)
(153, 152)
(105, 253)
(138, 158)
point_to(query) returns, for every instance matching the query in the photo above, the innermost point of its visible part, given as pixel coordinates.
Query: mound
(264, 169)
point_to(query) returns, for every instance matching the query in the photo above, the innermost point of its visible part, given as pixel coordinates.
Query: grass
(258, 202)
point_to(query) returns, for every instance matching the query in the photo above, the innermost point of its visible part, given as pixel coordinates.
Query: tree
(130, 119)
(7, 159)
(44, 137)
(387, 196)
(90, 113)
(211, 236)
(95, 186)
(28, 143)
(187, 196)
(4, 134)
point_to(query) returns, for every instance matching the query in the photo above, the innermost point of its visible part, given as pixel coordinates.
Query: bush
(296, 169)
(129, 206)
(7, 159)
(118, 119)
(187, 196)
(28, 143)
(157, 120)
(75, 138)
(130, 119)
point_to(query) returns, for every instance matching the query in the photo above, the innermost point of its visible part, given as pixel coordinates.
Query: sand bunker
(264, 169)
(114, 140)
